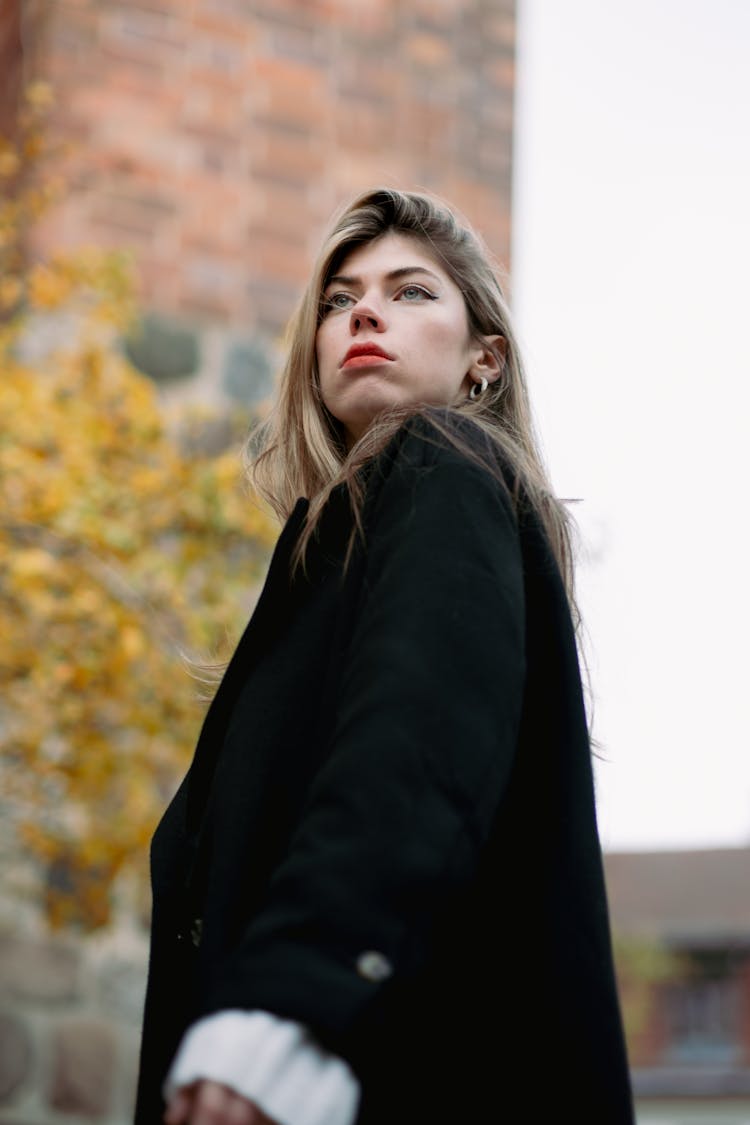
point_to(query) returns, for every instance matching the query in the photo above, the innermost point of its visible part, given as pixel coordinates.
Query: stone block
(15, 1054)
(46, 971)
(247, 375)
(129, 1059)
(163, 348)
(122, 987)
(83, 1070)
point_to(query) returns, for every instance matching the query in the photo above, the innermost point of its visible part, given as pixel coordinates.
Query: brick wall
(215, 139)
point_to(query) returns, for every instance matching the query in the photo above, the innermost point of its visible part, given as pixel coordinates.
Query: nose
(365, 315)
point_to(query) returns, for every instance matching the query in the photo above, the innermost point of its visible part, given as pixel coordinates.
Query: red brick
(359, 75)
(295, 159)
(364, 129)
(427, 50)
(287, 206)
(235, 26)
(11, 64)
(502, 72)
(295, 13)
(368, 170)
(367, 19)
(287, 91)
(501, 30)
(281, 261)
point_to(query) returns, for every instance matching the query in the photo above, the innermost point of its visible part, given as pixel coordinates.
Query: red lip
(357, 350)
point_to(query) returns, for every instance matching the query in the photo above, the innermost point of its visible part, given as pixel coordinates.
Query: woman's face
(395, 333)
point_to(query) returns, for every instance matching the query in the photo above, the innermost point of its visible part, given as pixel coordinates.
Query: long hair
(301, 450)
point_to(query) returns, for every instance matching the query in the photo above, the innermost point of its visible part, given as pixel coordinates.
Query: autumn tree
(119, 554)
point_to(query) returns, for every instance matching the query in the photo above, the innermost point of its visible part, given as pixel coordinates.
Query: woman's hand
(209, 1103)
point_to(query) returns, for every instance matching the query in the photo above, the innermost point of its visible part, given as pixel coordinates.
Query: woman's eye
(338, 301)
(415, 293)
(342, 301)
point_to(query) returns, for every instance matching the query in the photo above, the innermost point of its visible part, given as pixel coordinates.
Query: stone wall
(70, 1012)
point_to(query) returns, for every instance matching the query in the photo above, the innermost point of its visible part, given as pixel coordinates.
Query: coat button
(374, 966)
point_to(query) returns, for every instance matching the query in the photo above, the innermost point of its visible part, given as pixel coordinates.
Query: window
(703, 1009)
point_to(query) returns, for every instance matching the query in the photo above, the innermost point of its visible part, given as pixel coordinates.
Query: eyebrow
(392, 275)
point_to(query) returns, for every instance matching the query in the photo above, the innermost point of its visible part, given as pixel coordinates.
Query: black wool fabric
(397, 762)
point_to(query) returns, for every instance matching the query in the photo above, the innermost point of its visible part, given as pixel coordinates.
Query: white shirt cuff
(273, 1062)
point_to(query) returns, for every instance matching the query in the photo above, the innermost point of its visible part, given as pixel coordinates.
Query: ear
(489, 358)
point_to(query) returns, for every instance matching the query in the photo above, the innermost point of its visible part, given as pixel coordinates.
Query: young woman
(378, 893)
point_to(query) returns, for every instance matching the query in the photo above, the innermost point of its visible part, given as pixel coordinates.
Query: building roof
(681, 897)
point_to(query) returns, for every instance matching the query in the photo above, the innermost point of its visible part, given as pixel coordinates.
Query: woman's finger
(178, 1110)
(210, 1103)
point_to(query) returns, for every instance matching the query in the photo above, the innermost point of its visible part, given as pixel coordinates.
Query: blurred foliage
(118, 554)
(24, 193)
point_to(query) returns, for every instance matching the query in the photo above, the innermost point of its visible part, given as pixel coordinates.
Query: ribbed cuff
(273, 1062)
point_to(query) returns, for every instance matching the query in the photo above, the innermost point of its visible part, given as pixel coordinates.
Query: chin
(357, 421)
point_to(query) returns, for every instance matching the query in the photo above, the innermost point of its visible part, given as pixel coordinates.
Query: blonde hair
(302, 447)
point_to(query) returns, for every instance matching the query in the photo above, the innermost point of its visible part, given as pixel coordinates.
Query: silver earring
(478, 390)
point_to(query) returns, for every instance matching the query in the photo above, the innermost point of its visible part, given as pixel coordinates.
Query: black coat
(397, 765)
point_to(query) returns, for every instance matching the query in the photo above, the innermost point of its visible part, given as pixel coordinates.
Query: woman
(378, 893)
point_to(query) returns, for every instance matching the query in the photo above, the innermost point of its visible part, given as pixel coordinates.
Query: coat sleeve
(422, 746)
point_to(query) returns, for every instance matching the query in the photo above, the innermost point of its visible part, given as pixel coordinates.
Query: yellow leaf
(10, 291)
(32, 563)
(132, 642)
(47, 289)
(39, 95)
(9, 163)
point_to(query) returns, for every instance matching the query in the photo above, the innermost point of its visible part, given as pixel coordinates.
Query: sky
(631, 258)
